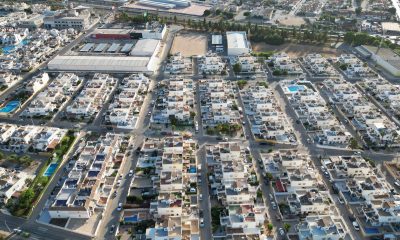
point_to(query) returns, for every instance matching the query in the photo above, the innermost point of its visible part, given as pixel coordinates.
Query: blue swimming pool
(370, 230)
(50, 169)
(9, 49)
(295, 88)
(10, 107)
(192, 169)
(131, 219)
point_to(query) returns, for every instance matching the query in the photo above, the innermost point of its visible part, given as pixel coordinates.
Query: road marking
(42, 229)
(34, 238)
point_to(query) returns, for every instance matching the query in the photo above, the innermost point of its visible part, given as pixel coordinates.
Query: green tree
(287, 227)
(206, 13)
(270, 227)
(358, 10)
(237, 68)
(353, 144)
(175, 19)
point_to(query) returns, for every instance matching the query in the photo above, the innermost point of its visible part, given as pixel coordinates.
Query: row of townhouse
(386, 93)
(311, 109)
(247, 63)
(268, 122)
(8, 79)
(217, 102)
(89, 184)
(211, 63)
(178, 64)
(33, 138)
(299, 189)
(318, 65)
(284, 63)
(243, 214)
(11, 183)
(58, 92)
(368, 195)
(373, 126)
(176, 209)
(92, 97)
(175, 101)
(127, 103)
(352, 66)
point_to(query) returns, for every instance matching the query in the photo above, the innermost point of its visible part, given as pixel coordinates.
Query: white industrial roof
(216, 39)
(391, 26)
(237, 39)
(145, 47)
(100, 63)
(87, 47)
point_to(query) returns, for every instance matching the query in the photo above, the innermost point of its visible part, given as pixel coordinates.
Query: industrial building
(391, 28)
(148, 31)
(146, 47)
(384, 57)
(77, 18)
(166, 3)
(126, 64)
(237, 43)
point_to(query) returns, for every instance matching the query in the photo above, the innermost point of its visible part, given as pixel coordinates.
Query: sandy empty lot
(297, 50)
(189, 44)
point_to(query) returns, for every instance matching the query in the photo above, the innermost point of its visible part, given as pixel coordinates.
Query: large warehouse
(103, 64)
(384, 57)
(237, 43)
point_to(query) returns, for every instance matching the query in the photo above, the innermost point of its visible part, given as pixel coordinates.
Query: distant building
(237, 43)
(68, 19)
(166, 3)
(33, 22)
(384, 57)
(391, 28)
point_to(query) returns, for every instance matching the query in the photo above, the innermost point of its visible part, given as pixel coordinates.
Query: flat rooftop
(100, 63)
(237, 39)
(194, 9)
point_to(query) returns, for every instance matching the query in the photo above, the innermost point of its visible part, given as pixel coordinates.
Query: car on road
(17, 230)
(130, 174)
(112, 228)
(201, 197)
(281, 232)
(273, 204)
(114, 194)
(219, 138)
(271, 197)
(356, 226)
(201, 222)
(340, 200)
(244, 123)
(397, 183)
(119, 208)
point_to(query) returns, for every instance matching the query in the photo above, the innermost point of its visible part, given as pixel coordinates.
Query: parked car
(119, 208)
(201, 222)
(112, 228)
(397, 183)
(281, 231)
(356, 226)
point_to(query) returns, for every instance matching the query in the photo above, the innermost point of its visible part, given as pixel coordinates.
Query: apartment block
(268, 121)
(90, 100)
(127, 103)
(217, 101)
(58, 92)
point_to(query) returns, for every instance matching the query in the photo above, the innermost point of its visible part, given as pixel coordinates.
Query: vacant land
(297, 50)
(189, 44)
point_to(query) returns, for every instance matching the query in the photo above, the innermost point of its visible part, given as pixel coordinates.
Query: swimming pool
(131, 219)
(295, 88)
(50, 169)
(9, 49)
(10, 107)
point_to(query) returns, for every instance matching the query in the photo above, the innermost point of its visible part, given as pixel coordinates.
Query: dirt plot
(297, 50)
(189, 44)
